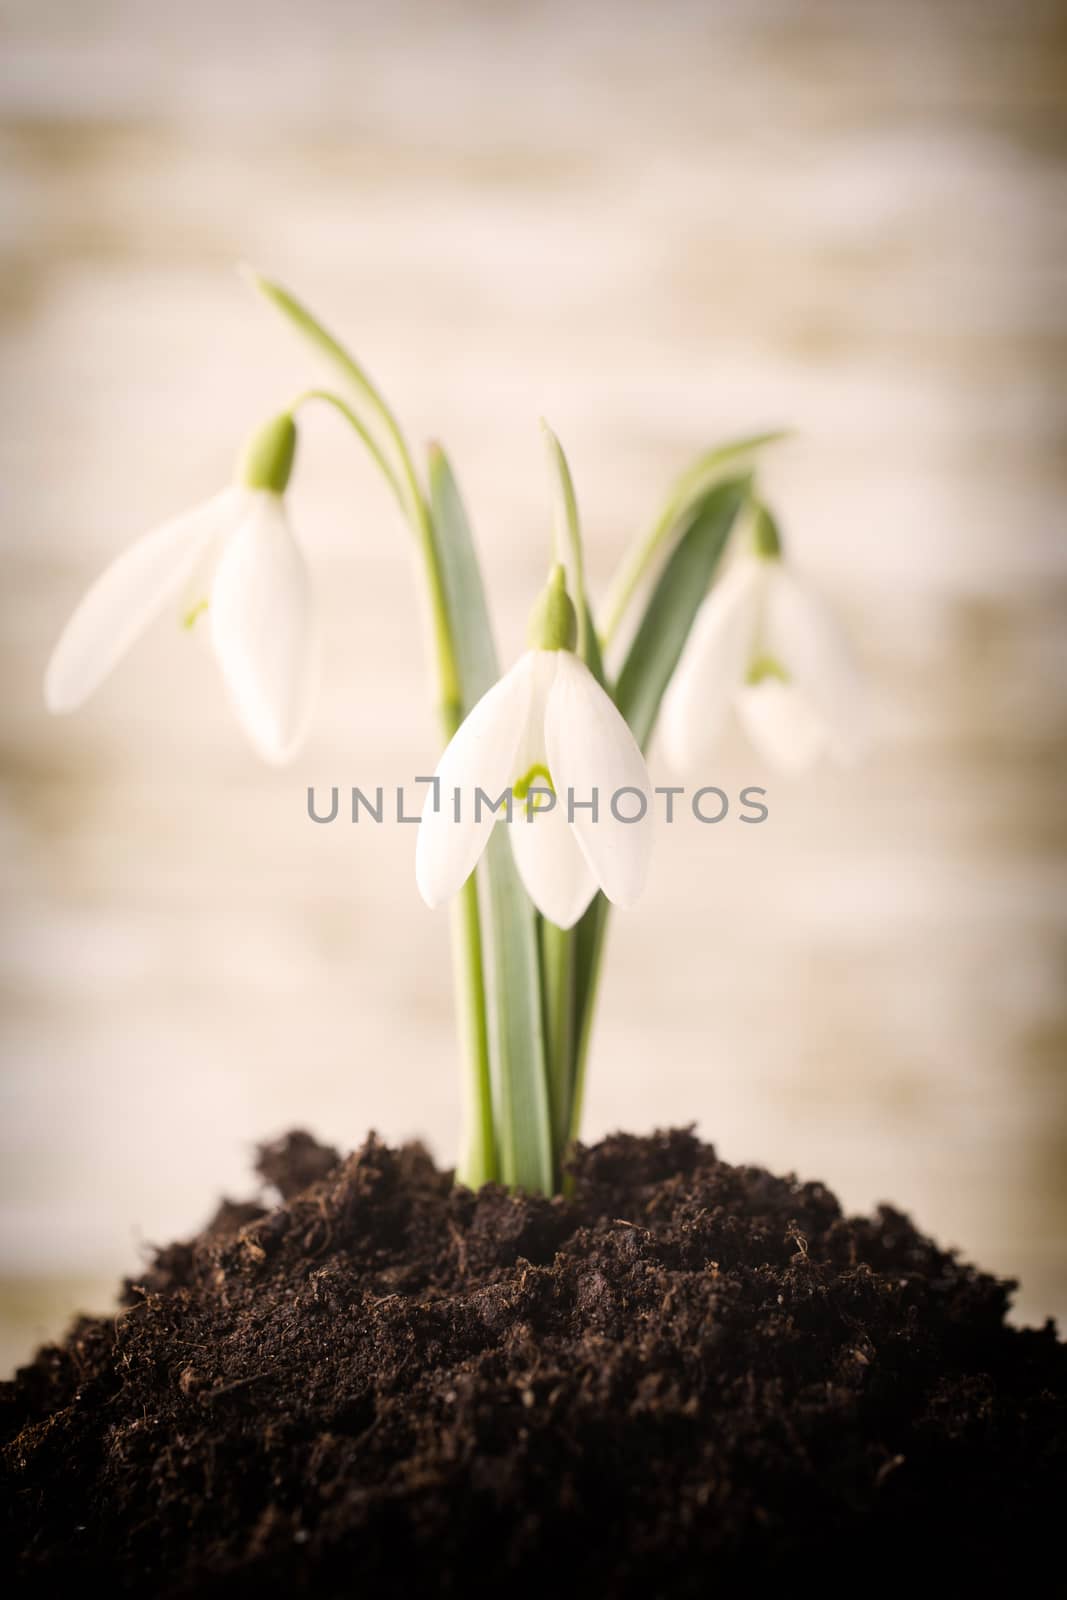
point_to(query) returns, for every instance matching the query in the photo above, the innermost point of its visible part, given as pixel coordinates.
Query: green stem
(374, 449)
(349, 368)
(408, 489)
(557, 965)
(587, 947)
(526, 1153)
(481, 1162)
(593, 956)
(559, 954)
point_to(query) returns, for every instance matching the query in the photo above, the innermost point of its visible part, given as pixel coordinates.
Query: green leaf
(559, 945)
(656, 649)
(557, 973)
(525, 1123)
(707, 470)
(701, 475)
(588, 936)
(524, 1129)
(461, 579)
(672, 607)
(593, 658)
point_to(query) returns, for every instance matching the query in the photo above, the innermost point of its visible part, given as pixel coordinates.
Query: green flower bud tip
(766, 540)
(553, 621)
(268, 457)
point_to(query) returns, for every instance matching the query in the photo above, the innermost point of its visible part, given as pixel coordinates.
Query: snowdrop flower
(764, 646)
(548, 733)
(233, 558)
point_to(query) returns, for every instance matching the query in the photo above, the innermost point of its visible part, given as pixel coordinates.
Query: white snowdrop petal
(554, 872)
(803, 634)
(782, 724)
(128, 595)
(713, 663)
(262, 630)
(531, 751)
(590, 747)
(480, 755)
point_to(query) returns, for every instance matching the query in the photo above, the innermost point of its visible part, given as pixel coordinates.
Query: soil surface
(685, 1374)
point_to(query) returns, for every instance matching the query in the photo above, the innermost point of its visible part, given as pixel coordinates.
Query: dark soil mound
(688, 1373)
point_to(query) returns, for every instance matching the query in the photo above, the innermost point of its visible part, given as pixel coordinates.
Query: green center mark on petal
(193, 614)
(764, 667)
(522, 787)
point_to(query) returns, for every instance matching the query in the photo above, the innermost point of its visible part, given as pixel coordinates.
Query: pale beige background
(657, 224)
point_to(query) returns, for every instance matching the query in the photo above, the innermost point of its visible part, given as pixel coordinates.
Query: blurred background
(659, 226)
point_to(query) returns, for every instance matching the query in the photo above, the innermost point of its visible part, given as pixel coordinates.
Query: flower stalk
(479, 1163)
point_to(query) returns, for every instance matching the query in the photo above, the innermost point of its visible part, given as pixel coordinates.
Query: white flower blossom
(235, 559)
(764, 647)
(546, 729)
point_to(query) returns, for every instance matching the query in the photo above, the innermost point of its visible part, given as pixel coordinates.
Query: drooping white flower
(235, 558)
(548, 733)
(765, 647)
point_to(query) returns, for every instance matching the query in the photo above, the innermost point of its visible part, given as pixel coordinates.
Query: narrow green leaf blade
(593, 659)
(472, 633)
(732, 459)
(709, 467)
(656, 649)
(525, 1127)
(524, 1124)
(324, 344)
(588, 936)
(673, 605)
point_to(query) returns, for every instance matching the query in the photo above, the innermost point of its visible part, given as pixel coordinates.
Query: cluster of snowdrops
(719, 627)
